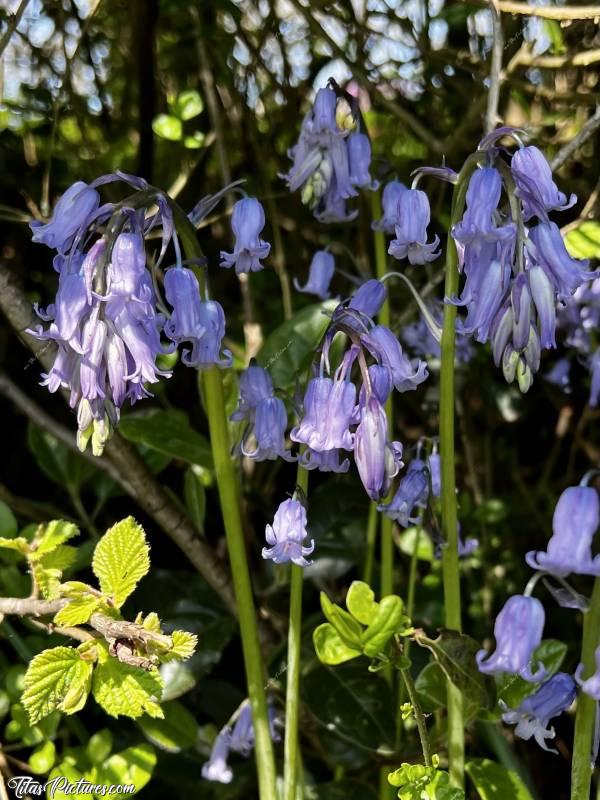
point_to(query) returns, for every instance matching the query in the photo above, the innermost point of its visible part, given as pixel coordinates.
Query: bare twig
(134, 475)
(590, 127)
(584, 59)
(12, 24)
(549, 12)
(491, 116)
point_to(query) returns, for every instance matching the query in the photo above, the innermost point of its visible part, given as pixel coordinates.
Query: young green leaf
(78, 611)
(56, 679)
(492, 780)
(387, 621)
(360, 602)
(330, 648)
(123, 690)
(121, 560)
(184, 644)
(347, 627)
(20, 544)
(51, 536)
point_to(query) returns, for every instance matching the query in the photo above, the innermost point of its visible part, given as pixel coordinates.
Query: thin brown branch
(588, 130)
(568, 12)
(134, 475)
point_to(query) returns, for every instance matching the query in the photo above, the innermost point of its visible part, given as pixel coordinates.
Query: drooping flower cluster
(331, 158)
(236, 737)
(105, 320)
(516, 265)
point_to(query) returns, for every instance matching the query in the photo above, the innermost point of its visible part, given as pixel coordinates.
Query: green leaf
(408, 540)
(177, 678)
(195, 141)
(512, 689)
(495, 782)
(195, 498)
(353, 704)
(184, 644)
(72, 775)
(43, 758)
(168, 127)
(330, 648)
(177, 731)
(133, 766)
(61, 558)
(584, 241)
(123, 690)
(388, 620)
(56, 460)
(121, 560)
(8, 523)
(19, 544)
(168, 432)
(51, 536)
(77, 611)
(289, 349)
(360, 602)
(189, 104)
(99, 746)
(349, 630)
(56, 679)
(455, 653)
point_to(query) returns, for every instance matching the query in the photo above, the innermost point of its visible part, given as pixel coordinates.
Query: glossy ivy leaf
(388, 620)
(121, 559)
(455, 653)
(330, 647)
(170, 433)
(78, 611)
(8, 523)
(353, 704)
(512, 689)
(177, 731)
(288, 350)
(348, 629)
(51, 536)
(361, 603)
(57, 678)
(495, 782)
(123, 690)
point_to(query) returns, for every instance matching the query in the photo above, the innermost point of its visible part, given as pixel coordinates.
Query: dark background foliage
(191, 96)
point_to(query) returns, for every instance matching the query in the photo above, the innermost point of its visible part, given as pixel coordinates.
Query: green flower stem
(581, 770)
(410, 607)
(371, 542)
(418, 712)
(450, 563)
(212, 385)
(292, 763)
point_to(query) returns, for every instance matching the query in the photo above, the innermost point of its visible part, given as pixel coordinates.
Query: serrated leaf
(61, 558)
(151, 622)
(47, 581)
(495, 782)
(51, 536)
(19, 544)
(121, 559)
(330, 648)
(56, 679)
(77, 611)
(123, 690)
(184, 644)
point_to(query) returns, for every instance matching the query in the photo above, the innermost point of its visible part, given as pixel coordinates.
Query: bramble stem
(212, 385)
(581, 770)
(292, 695)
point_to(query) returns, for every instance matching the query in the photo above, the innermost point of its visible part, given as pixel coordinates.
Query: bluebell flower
(216, 768)
(411, 229)
(270, 423)
(412, 493)
(591, 685)
(479, 219)
(247, 222)
(359, 155)
(287, 534)
(560, 374)
(535, 187)
(518, 630)
(565, 273)
(255, 385)
(419, 340)
(72, 213)
(368, 299)
(434, 464)
(533, 715)
(386, 348)
(320, 274)
(380, 378)
(594, 366)
(324, 461)
(484, 302)
(389, 202)
(544, 300)
(377, 459)
(329, 407)
(575, 521)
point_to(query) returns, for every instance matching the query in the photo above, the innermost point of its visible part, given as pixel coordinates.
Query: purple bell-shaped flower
(320, 274)
(247, 222)
(287, 534)
(71, 213)
(411, 229)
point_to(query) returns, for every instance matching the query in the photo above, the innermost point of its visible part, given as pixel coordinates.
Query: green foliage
(418, 782)
(177, 730)
(584, 240)
(366, 630)
(121, 560)
(495, 782)
(124, 690)
(512, 689)
(170, 433)
(58, 678)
